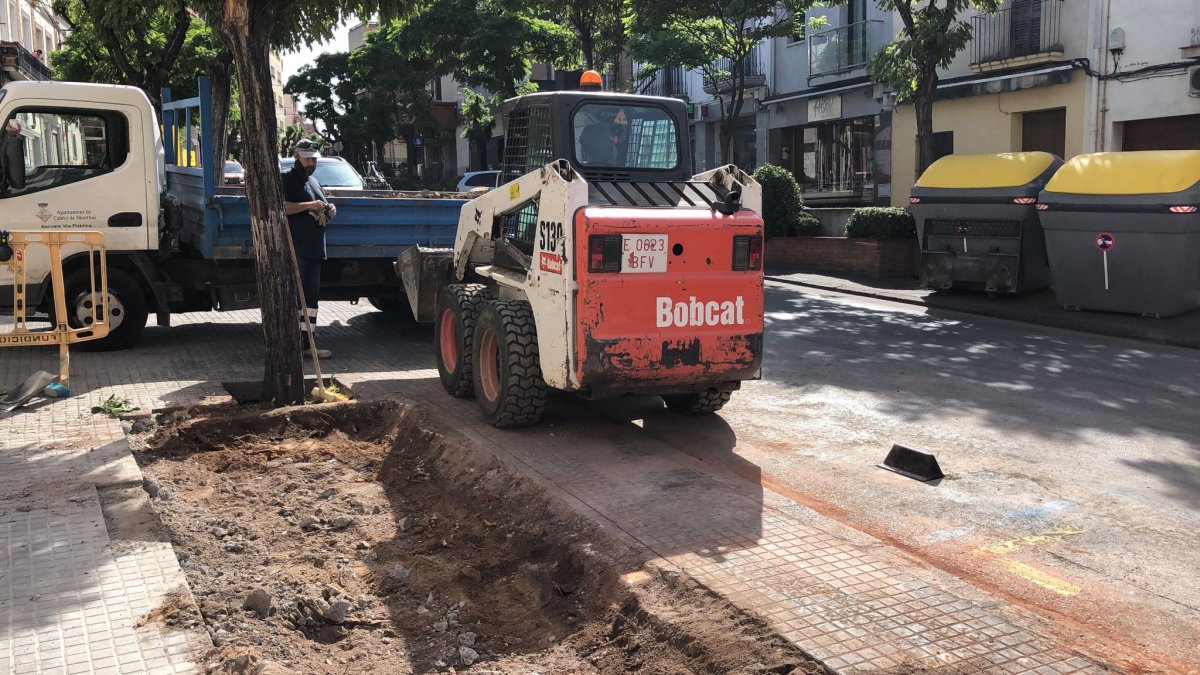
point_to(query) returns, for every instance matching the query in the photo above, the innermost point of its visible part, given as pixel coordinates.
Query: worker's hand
(314, 205)
(330, 212)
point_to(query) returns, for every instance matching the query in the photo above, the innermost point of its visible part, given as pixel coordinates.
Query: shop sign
(825, 108)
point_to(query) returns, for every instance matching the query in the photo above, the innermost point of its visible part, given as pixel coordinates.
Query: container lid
(965, 172)
(1128, 173)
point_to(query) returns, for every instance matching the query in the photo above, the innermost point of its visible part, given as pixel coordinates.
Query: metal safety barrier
(15, 248)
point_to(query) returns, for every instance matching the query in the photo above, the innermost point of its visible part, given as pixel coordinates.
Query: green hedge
(783, 207)
(806, 225)
(881, 223)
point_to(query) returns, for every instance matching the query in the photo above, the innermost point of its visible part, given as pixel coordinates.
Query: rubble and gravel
(349, 538)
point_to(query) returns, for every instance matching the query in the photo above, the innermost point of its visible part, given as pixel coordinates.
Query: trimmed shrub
(881, 223)
(806, 225)
(783, 208)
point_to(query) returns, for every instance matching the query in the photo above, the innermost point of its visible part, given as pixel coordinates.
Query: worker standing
(307, 211)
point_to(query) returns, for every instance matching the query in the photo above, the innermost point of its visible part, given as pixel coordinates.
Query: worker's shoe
(321, 353)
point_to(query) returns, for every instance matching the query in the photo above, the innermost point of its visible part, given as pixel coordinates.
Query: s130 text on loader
(600, 265)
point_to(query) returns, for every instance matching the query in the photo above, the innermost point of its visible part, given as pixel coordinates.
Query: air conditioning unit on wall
(1194, 82)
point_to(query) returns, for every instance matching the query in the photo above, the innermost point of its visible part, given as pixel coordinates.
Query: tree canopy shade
(147, 45)
(717, 37)
(933, 33)
(250, 29)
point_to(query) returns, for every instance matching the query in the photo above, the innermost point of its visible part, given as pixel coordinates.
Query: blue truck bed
(216, 223)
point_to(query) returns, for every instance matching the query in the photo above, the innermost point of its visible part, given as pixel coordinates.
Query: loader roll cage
(605, 136)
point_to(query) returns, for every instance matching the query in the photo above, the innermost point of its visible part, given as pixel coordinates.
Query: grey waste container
(1123, 232)
(977, 223)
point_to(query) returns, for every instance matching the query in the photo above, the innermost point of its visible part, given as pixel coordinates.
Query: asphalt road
(1072, 461)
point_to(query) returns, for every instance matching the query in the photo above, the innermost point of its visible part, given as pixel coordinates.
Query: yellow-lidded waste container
(978, 225)
(1123, 232)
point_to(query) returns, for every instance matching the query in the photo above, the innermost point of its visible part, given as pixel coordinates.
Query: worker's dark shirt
(307, 235)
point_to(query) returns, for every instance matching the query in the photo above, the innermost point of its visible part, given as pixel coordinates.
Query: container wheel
(508, 374)
(458, 308)
(127, 310)
(701, 403)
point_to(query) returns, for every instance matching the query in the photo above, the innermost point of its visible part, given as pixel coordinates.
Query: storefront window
(743, 147)
(832, 157)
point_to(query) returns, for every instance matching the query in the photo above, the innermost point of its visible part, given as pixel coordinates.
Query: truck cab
(81, 156)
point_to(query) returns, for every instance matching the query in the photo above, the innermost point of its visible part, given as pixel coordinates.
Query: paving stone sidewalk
(843, 596)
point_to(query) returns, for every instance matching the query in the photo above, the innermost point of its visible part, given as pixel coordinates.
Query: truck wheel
(458, 307)
(127, 310)
(508, 375)
(705, 402)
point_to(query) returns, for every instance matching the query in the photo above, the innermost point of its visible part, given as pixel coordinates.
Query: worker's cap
(308, 149)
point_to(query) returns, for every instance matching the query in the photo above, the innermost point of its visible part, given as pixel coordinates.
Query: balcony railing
(844, 49)
(752, 69)
(19, 64)
(1026, 28)
(670, 82)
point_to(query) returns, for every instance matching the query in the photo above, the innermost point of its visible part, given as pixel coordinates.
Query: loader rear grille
(650, 193)
(1007, 229)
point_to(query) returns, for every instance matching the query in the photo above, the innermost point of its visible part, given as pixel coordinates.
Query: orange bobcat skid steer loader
(612, 271)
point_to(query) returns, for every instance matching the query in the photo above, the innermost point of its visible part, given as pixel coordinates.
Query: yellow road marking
(997, 553)
(1038, 577)
(1049, 536)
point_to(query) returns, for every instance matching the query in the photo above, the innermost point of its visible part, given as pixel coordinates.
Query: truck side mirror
(12, 161)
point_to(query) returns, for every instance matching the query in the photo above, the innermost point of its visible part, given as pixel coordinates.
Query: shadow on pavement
(919, 365)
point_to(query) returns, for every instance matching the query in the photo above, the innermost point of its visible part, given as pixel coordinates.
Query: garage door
(1163, 133)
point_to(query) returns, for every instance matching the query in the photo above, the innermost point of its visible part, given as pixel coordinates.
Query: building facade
(824, 120)
(1066, 77)
(29, 33)
(287, 110)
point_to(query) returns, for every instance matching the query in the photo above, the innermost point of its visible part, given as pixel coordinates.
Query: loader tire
(458, 308)
(703, 403)
(508, 373)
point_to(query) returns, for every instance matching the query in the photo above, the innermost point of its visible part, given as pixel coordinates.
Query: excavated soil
(352, 538)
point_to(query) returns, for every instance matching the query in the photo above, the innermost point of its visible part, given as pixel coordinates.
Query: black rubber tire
(702, 403)
(463, 302)
(133, 309)
(393, 308)
(520, 397)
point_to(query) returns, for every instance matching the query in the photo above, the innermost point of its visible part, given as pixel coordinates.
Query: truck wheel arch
(137, 266)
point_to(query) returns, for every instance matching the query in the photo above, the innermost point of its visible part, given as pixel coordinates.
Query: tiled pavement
(842, 596)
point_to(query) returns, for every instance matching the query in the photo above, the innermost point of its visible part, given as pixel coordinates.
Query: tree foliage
(715, 37)
(598, 27)
(382, 90)
(932, 34)
(140, 44)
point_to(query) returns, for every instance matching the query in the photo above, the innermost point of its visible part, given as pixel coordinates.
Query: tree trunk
(219, 74)
(246, 33)
(923, 109)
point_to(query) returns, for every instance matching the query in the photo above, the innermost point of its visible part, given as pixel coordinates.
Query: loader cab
(605, 136)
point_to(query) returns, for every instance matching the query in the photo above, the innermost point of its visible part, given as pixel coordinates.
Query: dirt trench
(353, 538)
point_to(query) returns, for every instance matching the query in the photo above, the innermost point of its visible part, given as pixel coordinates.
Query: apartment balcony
(1026, 33)
(17, 63)
(844, 51)
(669, 82)
(723, 82)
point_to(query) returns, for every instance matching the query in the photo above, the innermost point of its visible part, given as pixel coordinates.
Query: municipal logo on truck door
(42, 214)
